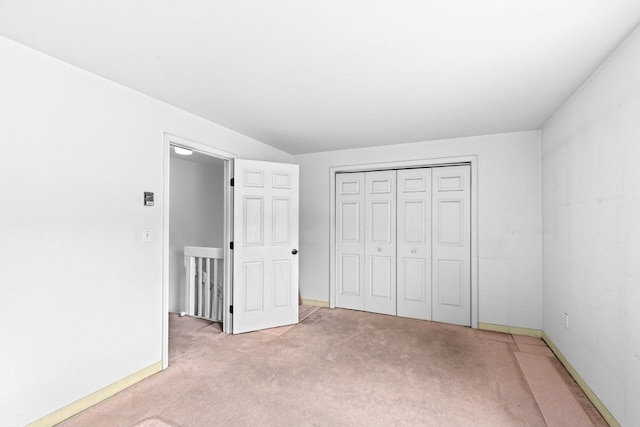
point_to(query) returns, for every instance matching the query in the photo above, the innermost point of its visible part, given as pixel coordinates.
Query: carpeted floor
(349, 368)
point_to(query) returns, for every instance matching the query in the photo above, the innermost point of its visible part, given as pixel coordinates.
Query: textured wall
(591, 222)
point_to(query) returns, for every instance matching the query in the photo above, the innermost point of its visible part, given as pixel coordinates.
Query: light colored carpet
(337, 368)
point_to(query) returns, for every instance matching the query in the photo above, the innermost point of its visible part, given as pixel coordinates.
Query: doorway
(261, 211)
(196, 220)
(386, 290)
(171, 299)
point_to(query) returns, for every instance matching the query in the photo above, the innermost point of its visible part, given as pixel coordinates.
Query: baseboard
(608, 417)
(315, 303)
(510, 329)
(100, 395)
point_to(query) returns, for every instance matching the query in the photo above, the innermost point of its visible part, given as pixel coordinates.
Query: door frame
(471, 160)
(177, 141)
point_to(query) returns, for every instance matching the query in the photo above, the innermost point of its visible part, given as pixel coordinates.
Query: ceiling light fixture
(183, 151)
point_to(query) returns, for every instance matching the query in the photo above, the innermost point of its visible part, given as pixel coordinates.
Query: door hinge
(230, 309)
(233, 182)
(231, 245)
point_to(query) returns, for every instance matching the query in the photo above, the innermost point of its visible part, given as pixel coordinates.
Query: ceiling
(310, 76)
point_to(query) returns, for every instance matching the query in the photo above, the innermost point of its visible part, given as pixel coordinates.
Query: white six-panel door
(414, 243)
(350, 188)
(451, 277)
(403, 243)
(380, 242)
(265, 261)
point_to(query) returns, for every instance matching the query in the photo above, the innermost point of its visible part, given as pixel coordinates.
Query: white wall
(196, 217)
(509, 246)
(81, 294)
(591, 218)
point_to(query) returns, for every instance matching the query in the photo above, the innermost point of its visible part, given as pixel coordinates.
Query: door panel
(253, 281)
(380, 185)
(350, 222)
(451, 183)
(281, 180)
(452, 249)
(413, 221)
(281, 221)
(350, 240)
(253, 221)
(414, 243)
(380, 242)
(350, 277)
(282, 282)
(450, 280)
(381, 223)
(381, 277)
(413, 270)
(450, 227)
(265, 271)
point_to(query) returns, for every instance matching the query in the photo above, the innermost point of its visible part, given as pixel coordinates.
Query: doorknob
(294, 251)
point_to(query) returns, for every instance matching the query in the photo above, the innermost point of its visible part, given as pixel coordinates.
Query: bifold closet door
(414, 243)
(451, 237)
(380, 242)
(366, 241)
(403, 243)
(350, 188)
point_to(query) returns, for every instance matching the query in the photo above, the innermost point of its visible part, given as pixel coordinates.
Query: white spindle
(190, 285)
(215, 313)
(199, 309)
(207, 289)
(203, 294)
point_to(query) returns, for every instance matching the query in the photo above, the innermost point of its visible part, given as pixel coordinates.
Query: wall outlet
(566, 320)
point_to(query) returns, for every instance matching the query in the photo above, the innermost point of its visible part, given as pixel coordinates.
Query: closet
(403, 242)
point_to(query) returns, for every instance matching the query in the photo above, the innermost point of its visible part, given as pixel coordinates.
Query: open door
(265, 245)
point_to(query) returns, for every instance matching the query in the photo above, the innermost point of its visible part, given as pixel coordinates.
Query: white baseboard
(315, 303)
(510, 329)
(100, 395)
(608, 417)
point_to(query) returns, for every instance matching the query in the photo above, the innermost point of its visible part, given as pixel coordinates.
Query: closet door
(414, 243)
(350, 206)
(451, 238)
(380, 242)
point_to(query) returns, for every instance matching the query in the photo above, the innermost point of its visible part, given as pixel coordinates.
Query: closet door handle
(379, 249)
(294, 251)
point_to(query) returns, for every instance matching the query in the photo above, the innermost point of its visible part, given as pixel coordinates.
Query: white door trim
(173, 140)
(442, 161)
